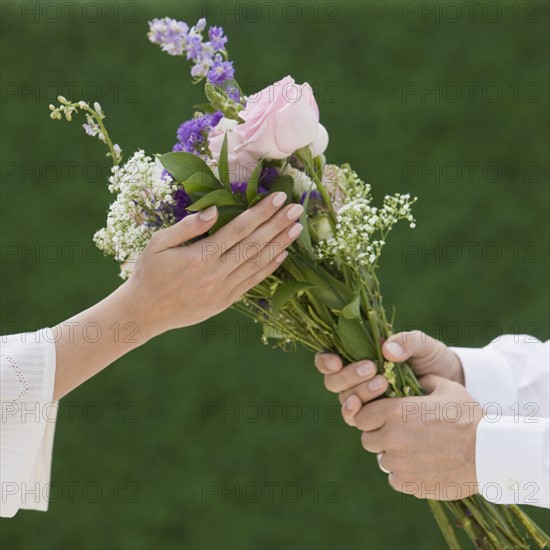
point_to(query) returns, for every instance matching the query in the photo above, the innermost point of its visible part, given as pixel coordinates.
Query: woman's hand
(175, 286)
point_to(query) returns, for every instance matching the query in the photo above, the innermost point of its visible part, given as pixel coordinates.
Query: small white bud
(201, 24)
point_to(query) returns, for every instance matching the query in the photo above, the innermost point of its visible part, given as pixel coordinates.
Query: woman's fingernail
(295, 212)
(281, 257)
(278, 198)
(395, 349)
(350, 402)
(376, 383)
(295, 230)
(208, 214)
(365, 368)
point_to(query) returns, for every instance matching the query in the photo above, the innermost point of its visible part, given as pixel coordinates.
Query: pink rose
(279, 120)
(241, 163)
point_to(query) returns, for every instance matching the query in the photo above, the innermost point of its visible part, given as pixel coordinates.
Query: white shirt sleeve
(27, 423)
(511, 380)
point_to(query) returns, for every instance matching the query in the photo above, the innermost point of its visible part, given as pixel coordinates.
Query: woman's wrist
(134, 313)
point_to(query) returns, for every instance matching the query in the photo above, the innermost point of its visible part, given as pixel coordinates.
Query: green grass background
(365, 51)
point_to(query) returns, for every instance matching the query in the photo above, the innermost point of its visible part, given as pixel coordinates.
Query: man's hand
(423, 353)
(426, 444)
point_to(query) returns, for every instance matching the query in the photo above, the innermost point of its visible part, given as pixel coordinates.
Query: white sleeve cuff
(512, 460)
(27, 422)
(489, 378)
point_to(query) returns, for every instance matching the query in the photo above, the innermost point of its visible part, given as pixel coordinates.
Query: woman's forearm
(174, 286)
(93, 339)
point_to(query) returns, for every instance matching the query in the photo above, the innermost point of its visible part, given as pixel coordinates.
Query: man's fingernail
(208, 214)
(279, 198)
(395, 349)
(331, 364)
(350, 401)
(376, 383)
(365, 368)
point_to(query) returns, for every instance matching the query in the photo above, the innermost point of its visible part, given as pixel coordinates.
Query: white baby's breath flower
(361, 228)
(145, 194)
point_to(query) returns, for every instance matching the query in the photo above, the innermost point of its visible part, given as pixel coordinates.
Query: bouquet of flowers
(326, 296)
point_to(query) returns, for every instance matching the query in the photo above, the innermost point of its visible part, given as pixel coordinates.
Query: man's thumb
(409, 345)
(191, 226)
(432, 382)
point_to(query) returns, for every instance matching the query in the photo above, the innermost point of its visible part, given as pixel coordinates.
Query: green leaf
(328, 290)
(223, 164)
(304, 155)
(184, 165)
(325, 292)
(197, 184)
(220, 101)
(285, 292)
(220, 197)
(225, 215)
(252, 185)
(353, 309)
(283, 183)
(355, 338)
(255, 200)
(204, 107)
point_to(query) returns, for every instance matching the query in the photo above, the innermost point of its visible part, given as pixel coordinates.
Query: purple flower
(221, 70)
(168, 33)
(176, 38)
(194, 47)
(315, 203)
(201, 24)
(234, 94)
(200, 70)
(239, 187)
(314, 196)
(185, 130)
(193, 134)
(215, 118)
(268, 175)
(182, 202)
(217, 38)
